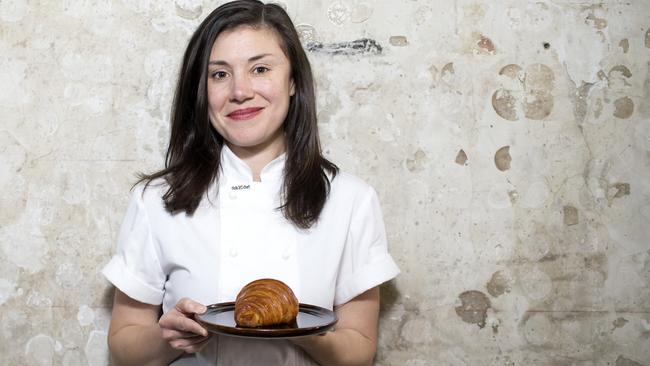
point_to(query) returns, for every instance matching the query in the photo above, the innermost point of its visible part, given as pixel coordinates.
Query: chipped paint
(362, 46)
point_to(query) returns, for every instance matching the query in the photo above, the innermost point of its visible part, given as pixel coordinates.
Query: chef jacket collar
(235, 169)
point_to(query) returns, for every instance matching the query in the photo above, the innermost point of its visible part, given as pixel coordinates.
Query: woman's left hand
(354, 339)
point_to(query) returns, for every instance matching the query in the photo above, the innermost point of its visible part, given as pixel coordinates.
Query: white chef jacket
(238, 235)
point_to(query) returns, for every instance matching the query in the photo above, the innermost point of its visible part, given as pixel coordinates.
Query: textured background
(509, 142)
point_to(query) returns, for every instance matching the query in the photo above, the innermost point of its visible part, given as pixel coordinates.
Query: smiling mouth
(245, 113)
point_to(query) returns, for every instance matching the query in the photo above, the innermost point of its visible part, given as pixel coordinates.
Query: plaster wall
(509, 142)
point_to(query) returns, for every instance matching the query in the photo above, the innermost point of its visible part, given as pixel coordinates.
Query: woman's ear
(292, 87)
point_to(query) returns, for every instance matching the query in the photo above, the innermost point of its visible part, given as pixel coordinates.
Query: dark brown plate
(311, 320)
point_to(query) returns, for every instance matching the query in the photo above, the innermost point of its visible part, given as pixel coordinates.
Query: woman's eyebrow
(252, 59)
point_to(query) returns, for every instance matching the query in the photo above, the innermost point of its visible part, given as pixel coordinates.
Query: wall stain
(448, 69)
(307, 33)
(502, 158)
(512, 71)
(550, 257)
(461, 157)
(570, 216)
(473, 308)
(505, 104)
(361, 12)
(538, 84)
(647, 38)
(644, 105)
(363, 46)
(622, 361)
(514, 196)
(598, 23)
(580, 101)
(447, 75)
(485, 45)
(623, 108)
(498, 284)
(617, 190)
(619, 323)
(418, 161)
(538, 105)
(433, 70)
(601, 75)
(188, 11)
(623, 70)
(598, 108)
(422, 15)
(624, 44)
(539, 77)
(622, 189)
(398, 41)
(535, 94)
(338, 13)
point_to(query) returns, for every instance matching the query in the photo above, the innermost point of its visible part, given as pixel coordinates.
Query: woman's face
(249, 87)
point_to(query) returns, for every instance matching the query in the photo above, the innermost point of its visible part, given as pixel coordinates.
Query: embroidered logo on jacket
(240, 187)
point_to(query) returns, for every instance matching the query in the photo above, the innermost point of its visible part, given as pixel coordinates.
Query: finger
(186, 343)
(170, 334)
(179, 323)
(190, 326)
(189, 306)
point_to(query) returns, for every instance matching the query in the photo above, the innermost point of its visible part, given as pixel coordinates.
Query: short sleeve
(135, 268)
(366, 262)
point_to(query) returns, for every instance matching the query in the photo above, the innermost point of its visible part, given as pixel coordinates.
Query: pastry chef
(246, 194)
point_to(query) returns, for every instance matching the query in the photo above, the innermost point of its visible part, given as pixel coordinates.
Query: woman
(246, 194)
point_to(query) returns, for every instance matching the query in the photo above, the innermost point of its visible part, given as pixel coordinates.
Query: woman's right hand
(179, 328)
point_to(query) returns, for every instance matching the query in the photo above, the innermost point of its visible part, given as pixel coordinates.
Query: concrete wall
(509, 141)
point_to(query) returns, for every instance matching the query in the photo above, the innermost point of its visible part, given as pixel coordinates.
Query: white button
(233, 252)
(232, 195)
(286, 255)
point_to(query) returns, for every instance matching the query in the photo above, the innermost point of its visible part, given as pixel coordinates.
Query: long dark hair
(192, 163)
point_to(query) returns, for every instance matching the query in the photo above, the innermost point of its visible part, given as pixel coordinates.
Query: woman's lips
(245, 113)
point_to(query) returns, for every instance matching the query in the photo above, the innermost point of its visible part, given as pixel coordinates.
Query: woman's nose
(242, 88)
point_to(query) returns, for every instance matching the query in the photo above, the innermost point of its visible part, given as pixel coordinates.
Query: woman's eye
(219, 75)
(260, 69)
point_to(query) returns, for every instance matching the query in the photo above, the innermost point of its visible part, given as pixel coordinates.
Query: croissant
(264, 303)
